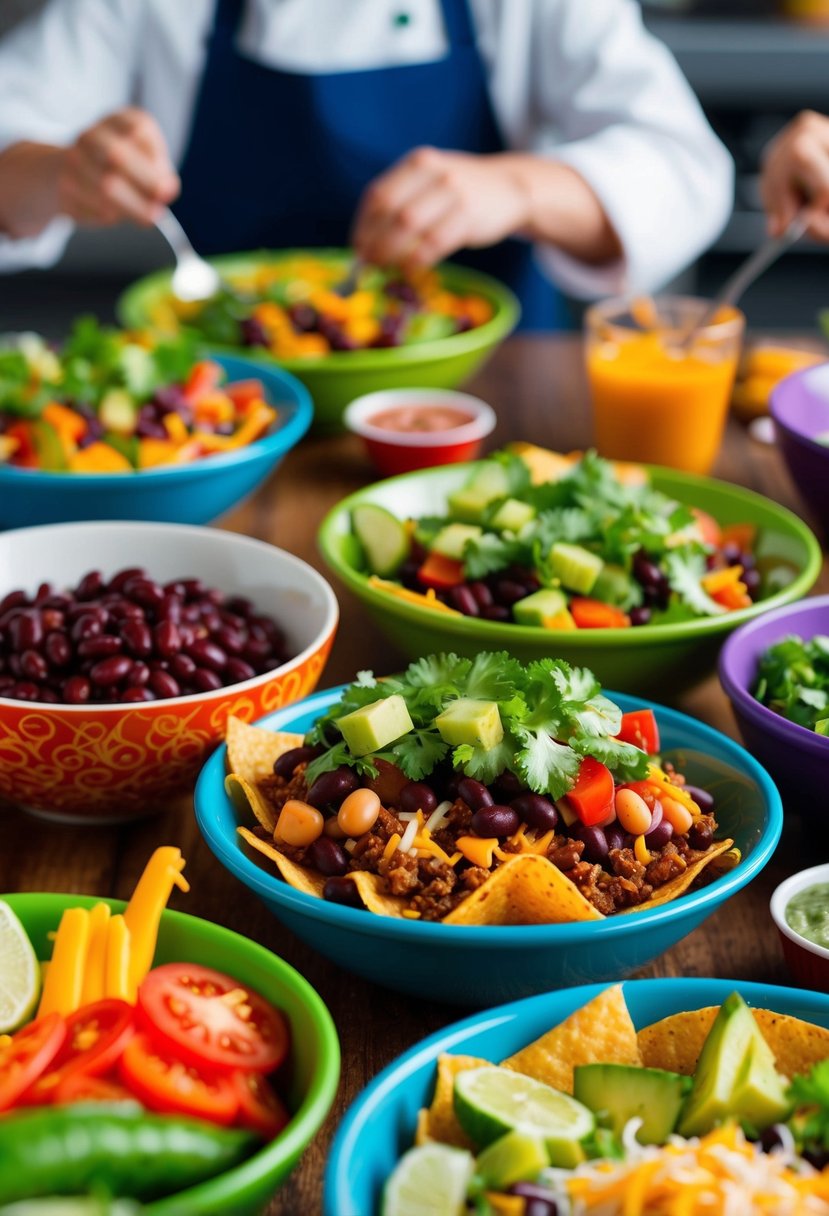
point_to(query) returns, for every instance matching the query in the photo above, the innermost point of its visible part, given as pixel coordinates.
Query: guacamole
(808, 913)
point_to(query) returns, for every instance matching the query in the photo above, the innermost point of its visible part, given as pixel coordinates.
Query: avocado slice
(576, 567)
(383, 537)
(453, 539)
(615, 586)
(375, 726)
(620, 1092)
(540, 607)
(488, 482)
(514, 1157)
(477, 723)
(760, 1095)
(512, 515)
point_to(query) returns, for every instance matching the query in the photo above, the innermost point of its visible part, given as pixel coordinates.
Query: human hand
(796, 174)
(432, 203)
(118, 169)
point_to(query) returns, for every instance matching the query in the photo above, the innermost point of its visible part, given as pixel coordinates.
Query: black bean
(508, 592)
(418, 796)
(595, 843)
(640, 615)
(700, 836)
(285, 764)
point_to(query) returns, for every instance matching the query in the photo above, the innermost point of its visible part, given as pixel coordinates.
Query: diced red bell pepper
(204, 377)
(592, 795)
(244, 392)
(441, 572)
(640, 728)
(595, 614)
(25, 456)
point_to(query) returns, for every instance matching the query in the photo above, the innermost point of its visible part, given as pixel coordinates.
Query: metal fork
(193, 278)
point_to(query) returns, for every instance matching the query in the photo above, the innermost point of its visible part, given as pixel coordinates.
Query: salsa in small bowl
(406, 429)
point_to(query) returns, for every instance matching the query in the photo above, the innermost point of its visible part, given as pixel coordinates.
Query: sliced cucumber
(384, 538)
(512, 515)
(453, 539)
(575, 566)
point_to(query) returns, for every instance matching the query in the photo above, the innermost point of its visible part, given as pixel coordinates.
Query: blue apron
(278, 159)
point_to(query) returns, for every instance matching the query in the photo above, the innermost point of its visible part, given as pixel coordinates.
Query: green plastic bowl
(662, 659)
(335, 380)
(315, 1049)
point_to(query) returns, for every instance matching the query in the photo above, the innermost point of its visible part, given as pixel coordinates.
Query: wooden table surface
(538, 390)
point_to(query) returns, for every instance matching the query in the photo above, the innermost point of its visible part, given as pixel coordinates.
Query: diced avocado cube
(512, 515)
(575, 566)
(488, 482)
(468, 505)
(618, 1093)
(514, 1157)
(615, 586)
(452, 540)
(540, 607)
(375, 726)
(118, 411)
(477, 723)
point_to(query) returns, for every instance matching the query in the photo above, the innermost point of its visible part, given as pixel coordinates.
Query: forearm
(561, 209)
(29, 188)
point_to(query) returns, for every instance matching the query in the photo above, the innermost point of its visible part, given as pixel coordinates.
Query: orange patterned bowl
(108, 763)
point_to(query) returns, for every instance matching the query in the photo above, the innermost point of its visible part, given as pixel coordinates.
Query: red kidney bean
(536, 811)
(33, 665)
(48, 695)
(139, 675)
(158, 664)
(617, 837)
(111, 671)
(482, 593)
(640, 615)
(6, 682)
(125, 610)
(256, 649)
(240, 605)
(77, 690)
(182, 666)
(190, 613)
(510, 785)
(90, 586)
(170, 608)
(135, 693)
(463, 599)
(204, 680)
(119, 580)
(496, 612)
(176, 588)
(418, 796)
(207, 654)
(86, 626)
(230, 640)
(342, 890)
(57, 649)
(14, 599)
(100, 647)
(703, 799)
(330, 789)
(211, 620)
(508, 591)
(144, 591)
(328, 857)
(237, 671)
(43, 593)
(137, 638)
(52, 619)
(26, 631)
(495, 821)
(167, 638)
(164, 685)
(700, 836)
(285, 764)
(474, 793)
(14, 665)
(595, 843)
(192, 588)
(232, 620)
(659, 836)
(25, 690)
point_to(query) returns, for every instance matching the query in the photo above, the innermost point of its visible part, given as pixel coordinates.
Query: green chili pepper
(117, 1148)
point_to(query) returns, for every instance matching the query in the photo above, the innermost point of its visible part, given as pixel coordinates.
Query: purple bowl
(800, 409)
(797, 758)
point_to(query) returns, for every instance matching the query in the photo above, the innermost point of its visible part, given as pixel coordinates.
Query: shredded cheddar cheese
(427, 600)
(391, 846)
(478, 849)
(663, 783)
(641, 851)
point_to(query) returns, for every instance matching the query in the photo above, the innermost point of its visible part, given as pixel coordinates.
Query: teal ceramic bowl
(315, 1050)
(380, 1125)
(480, 964)
(336, 379)
(654, 659)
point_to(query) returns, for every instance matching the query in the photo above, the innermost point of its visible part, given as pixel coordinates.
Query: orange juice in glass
(657, 398)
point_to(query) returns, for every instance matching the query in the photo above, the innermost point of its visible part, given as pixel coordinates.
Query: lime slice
(431, 1180)
(19, 972)
(491, 1101)
(514, 1157)
(384, 538)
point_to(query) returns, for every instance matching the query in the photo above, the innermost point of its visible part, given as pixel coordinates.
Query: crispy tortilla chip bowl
(481, 964)
(192, 493)
(95, 764)
(380, 1125)
(315, 1053)
(661, 659)
(337, 378)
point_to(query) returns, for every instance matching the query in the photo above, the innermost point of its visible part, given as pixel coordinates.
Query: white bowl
(808, 962)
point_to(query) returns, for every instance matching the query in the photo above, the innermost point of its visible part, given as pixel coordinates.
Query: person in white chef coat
(553, 143)
(796, 174)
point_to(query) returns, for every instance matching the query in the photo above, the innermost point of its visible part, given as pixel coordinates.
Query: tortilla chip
(440, 1122)
(246, 797)
(602, 1031)
(422, 1130)
(375, 899)
(526, 890)
(252, 750)
(675, 1043)
(301, 878)
(723, 856)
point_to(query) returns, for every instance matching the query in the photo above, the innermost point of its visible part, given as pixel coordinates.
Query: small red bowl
(808, 962)
(403, 451)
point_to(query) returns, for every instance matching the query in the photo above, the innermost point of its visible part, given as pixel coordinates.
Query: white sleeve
(608, 99)
(60, 71)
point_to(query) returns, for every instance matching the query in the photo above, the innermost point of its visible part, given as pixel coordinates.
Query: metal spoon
(193, 278)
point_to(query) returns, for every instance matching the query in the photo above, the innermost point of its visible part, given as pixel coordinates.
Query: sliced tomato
(441, 572)
(244, 393)
(260, 1106)
(208, 1018)
(162, 1082)
(78, 1087)
(204, 378)
(27, 1054)
(96, 1035)
(640, 728)
(592, 795)
(595, 614)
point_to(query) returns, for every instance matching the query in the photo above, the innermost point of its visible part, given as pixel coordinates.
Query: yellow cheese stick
(93, 979)
(149, 899)
(117, 981)
(63, 984)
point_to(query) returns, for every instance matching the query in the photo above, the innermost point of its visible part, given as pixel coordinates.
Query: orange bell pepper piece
(98, 458)
(245, 393)
(594, 614)
(69, 425)
(441, 572)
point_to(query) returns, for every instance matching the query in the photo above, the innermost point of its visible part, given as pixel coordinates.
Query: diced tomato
(647, 792)
(592, 795)
(207, 1018)
(96, 1035)
(441, 572)
(741, 535)
(244, 393)
(640, 728)
(708, 527)
(25, 455)
(260, 1107)
(27, 1054)
(78, 1087)
(163, 1083)
(595, 614)
(204, 378)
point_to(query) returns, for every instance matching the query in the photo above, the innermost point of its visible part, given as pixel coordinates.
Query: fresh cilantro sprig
(553, 715)
(809, 1095)
(793, 680)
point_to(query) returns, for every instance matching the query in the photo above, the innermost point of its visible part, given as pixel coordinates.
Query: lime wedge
(384, 538)
(19, 972)
(431, 1180)
(491, 1101)
(514, 1157)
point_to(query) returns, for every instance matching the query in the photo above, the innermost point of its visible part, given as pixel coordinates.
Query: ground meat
(473, 877)
(624, 863)
(400, 873)
(666, 866)
(277, 790)
(368, 852)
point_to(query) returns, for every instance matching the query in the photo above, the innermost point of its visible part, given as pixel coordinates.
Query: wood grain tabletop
(538, 389)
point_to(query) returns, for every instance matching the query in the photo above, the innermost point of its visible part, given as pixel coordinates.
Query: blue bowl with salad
(503, 867)
(110, 426)
(383, 1123)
